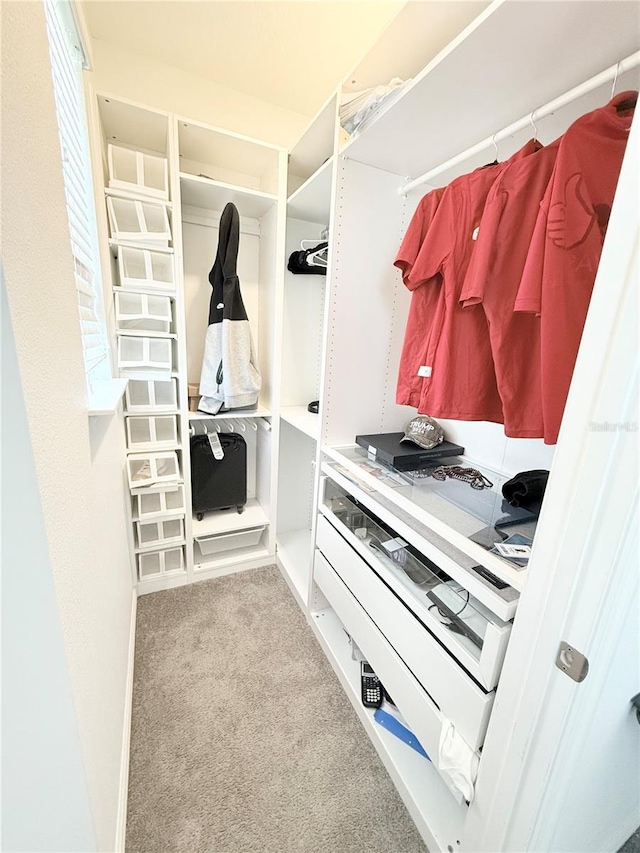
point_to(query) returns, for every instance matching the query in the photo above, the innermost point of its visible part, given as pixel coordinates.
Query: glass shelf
(470, 519)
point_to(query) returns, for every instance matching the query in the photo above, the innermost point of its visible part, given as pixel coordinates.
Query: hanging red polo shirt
(565, 250)
(492, 282)
(460, 380)
(423, 305)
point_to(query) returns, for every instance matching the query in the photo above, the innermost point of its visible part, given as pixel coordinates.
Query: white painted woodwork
(138, 172)
(483, 664)
(460, 699)
(494, 72)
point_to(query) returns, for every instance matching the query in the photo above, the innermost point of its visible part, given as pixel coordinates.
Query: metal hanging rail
(631, 62)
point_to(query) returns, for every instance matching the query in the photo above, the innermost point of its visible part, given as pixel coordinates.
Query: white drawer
(415, 705)
(420, 583)
(458, 696)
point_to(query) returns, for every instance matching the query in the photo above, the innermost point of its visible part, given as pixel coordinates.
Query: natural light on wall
(67, 61)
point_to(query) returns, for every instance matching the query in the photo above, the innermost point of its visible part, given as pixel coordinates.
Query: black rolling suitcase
(218, 483)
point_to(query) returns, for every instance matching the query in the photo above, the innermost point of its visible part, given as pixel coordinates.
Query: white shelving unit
(455, 98)
(189, 171)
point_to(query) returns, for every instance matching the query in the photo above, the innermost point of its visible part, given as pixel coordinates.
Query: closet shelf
(133, 196)
(406, 138)
(444, 518)
(312, 201)
(161, 546)
(147, 291)
(228, 520)
(143, 333)
(114, 245)
(156, 487)
(301, 419)
(160, 412)
(208, 194)
(232, 414)
(412, 774)
(214, 565)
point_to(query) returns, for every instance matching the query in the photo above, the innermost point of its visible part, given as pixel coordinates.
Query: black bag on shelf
(218, 483)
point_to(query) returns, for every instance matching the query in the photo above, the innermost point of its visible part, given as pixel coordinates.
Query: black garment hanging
(230, 375)
(299, 261)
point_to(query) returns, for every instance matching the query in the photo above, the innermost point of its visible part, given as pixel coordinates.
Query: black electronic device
(370, 686)
(387, 447)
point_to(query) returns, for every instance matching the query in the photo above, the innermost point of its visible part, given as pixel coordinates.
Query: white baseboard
(121, 828)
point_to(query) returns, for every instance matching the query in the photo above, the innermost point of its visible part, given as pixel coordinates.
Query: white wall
(78, 462)
(42, 765)
(117, 71)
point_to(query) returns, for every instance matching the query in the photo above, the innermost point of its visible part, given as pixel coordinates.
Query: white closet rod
(600, 79)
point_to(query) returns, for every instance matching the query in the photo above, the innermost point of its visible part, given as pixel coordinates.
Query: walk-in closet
(328, 450)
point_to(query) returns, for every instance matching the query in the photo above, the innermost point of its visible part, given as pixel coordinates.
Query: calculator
(370, 686)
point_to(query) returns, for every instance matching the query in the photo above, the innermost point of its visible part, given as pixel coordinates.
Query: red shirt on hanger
(565, 250)
(424, 302)
(492, 282)
(460, 379)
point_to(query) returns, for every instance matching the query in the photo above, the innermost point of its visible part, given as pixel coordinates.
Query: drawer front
(457, 695)
(416, 707)
(484, 664)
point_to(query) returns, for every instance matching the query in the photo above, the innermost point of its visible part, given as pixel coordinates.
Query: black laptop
(405, 455)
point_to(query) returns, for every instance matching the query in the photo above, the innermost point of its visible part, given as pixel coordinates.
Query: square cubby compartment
(144, 268)
(143, 312)
(140, 353)
(147, 469)
(163, 503)
(138, 221)
(145, 432)
(157, 534)
(151, 395)
(155, 564)
(137, 172)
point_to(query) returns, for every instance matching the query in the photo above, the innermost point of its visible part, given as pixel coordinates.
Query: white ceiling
(286, 52)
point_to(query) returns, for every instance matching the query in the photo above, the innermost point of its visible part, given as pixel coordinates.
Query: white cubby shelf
(302, 419)
(197, 191)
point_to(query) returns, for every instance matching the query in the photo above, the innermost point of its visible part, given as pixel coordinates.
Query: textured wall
(117, 71)
(42, 764)
(78, 462)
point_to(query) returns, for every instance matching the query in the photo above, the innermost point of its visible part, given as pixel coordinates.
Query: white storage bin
(143, 312)
(138, 172)
(145, 469)
(158, 504)
(139, 268)
(228, 541)
(144, 353)
(152, 431)
(157, 563)
(138, 221)
(151, 395)
(157, 534)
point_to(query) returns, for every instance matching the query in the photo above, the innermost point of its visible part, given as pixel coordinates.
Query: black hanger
(628, 103)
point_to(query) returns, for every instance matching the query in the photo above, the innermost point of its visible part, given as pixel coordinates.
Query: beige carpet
(243, 739)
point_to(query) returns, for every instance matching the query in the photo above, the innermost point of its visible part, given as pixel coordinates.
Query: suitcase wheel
(240, 509)
(199, 516)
